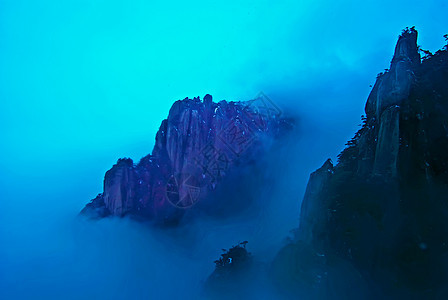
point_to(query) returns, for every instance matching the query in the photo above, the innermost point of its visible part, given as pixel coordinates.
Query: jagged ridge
(195, 148)
(383, 208)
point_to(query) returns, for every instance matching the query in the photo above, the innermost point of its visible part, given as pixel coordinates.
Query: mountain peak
(383, 208)
(393, 86)
(196, 147)
(406, 47)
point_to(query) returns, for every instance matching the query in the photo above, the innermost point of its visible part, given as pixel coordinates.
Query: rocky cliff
(379, 217)
(197, 147)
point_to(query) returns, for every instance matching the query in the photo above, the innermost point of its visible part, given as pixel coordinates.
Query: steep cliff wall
(196, 147)
(383, 209)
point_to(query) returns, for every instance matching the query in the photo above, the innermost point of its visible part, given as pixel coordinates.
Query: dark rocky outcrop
(197, 147)
(380, 215)
(237, 275)
(233, 263)
(311, 208)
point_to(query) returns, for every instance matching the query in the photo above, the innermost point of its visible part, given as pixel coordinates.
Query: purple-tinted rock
(195, 148)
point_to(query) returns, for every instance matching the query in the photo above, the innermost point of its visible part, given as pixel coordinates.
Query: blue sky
(80, 78)
(83, 83)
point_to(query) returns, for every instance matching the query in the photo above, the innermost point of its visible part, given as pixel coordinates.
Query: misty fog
(83, 83)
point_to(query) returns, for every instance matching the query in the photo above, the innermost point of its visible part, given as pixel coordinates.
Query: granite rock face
(196, 147)
(382, 211)
(393, 86)
(312, 207)
(379, 145)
